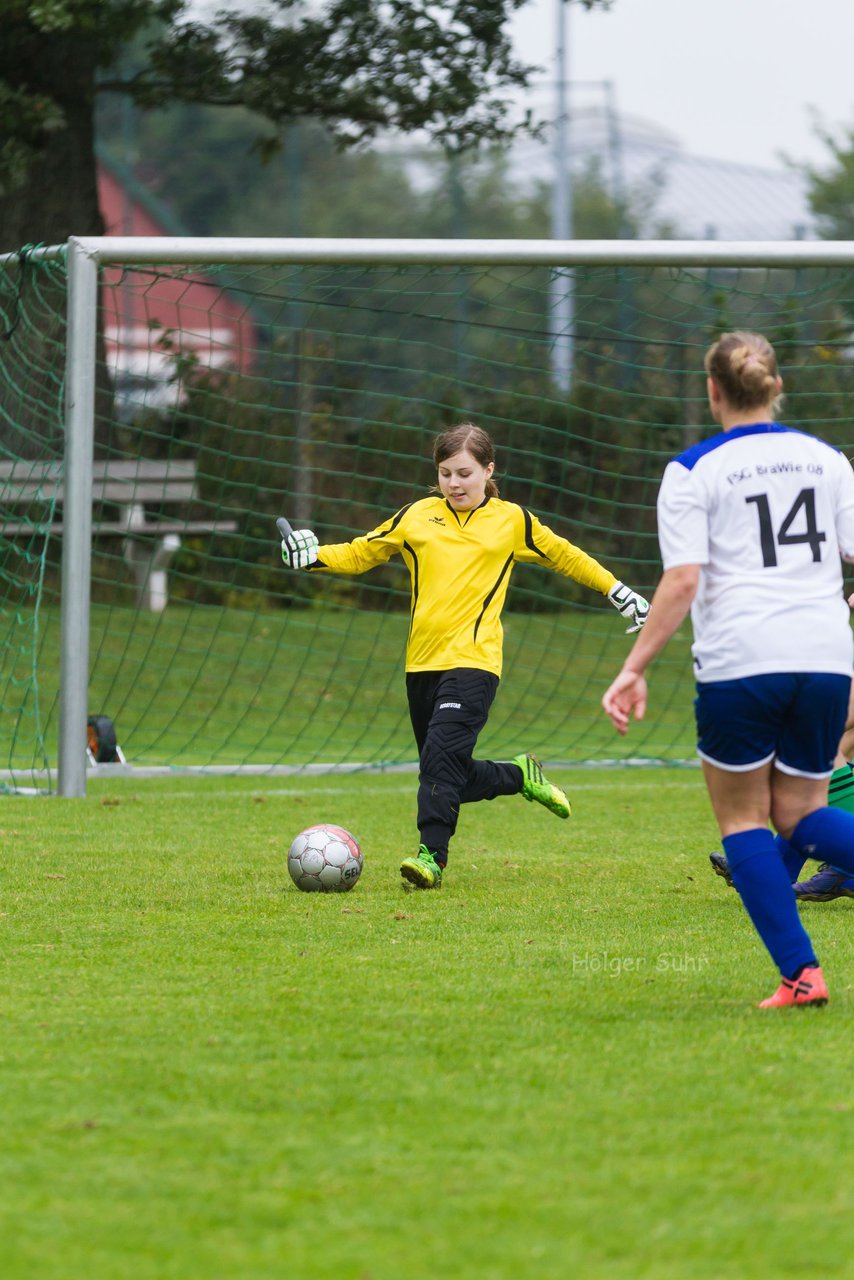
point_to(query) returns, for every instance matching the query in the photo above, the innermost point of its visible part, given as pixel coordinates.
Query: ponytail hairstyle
(474, 439)
(745, 368)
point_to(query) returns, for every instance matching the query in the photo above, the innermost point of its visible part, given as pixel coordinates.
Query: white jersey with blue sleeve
(766, 512)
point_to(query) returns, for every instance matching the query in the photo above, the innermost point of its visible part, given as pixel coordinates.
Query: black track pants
(448, 709)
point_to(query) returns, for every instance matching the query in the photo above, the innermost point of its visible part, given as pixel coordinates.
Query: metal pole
(127, 250)
(459, 218)
(625, 306)
(303, 482)
(615, 148)
(77, 518)
(126, 339)
(561, 289)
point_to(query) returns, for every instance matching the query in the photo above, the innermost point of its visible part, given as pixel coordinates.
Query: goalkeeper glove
(633, 607)
(299, 549)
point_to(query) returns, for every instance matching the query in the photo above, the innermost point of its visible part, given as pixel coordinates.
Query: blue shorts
(794, 719)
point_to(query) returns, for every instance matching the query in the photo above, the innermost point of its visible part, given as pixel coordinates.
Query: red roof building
(154, 320)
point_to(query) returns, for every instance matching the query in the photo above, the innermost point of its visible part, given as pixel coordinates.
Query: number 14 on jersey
(770, 541)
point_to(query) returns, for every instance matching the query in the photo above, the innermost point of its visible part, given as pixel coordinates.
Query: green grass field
(551, 1068)
(210, 685)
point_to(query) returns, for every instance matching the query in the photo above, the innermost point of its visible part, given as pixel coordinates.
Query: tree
(200, 164)
(831, 191)
(831, 197)
(443, 67)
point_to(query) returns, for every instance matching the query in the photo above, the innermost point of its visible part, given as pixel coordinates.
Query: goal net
(233, 387)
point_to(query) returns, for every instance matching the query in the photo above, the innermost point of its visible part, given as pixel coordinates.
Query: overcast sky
(732, 79)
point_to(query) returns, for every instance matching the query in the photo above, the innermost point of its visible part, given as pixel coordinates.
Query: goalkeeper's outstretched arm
(537, 541)
(301, 549)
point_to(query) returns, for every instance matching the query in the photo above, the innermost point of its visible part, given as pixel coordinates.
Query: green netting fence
(226, 395)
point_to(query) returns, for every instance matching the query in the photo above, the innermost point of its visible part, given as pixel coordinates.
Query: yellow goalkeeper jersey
(459, 566)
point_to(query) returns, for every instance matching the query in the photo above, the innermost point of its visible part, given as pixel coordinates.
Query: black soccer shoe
(720, 866)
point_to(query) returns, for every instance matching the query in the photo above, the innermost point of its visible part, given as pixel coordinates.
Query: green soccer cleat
(536, 786)
(422, 871)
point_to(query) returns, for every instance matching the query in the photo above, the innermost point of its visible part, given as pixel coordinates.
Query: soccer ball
(325, 859)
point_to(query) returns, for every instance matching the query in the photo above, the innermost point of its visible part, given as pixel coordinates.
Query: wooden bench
(149, 543)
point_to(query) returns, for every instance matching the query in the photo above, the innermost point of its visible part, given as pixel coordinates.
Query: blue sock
(828, 835)
(765, 888)
(792, 860)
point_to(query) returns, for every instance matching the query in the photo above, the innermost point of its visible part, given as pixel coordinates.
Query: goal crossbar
(115, 250)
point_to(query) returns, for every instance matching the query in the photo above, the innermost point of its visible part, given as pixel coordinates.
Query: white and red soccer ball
(325, 859)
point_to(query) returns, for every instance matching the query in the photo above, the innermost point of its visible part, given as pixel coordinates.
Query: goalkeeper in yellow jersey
(460, 546)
